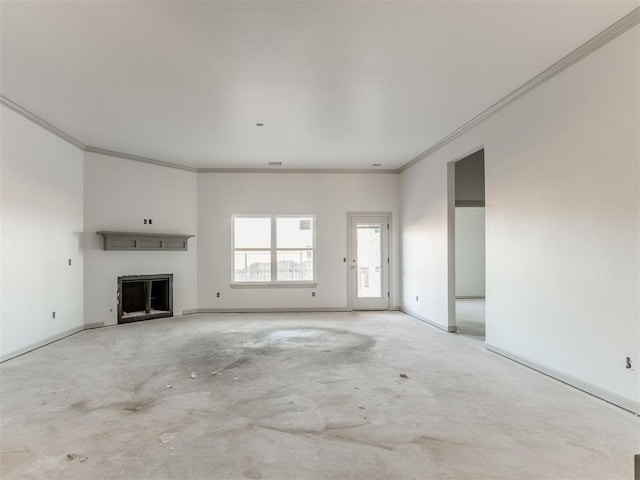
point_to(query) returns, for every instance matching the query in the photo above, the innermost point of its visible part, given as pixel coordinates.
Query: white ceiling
(338, 85)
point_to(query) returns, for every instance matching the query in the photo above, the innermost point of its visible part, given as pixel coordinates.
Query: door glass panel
(369, 260)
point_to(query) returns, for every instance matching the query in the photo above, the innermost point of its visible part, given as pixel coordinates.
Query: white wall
(41, 228)
(562, 222)
(119, 194)
(470, 258)
(328, 196)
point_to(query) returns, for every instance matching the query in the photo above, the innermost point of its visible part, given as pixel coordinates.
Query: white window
(274, 249)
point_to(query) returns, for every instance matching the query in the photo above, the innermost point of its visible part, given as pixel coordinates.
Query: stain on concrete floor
(295, 397)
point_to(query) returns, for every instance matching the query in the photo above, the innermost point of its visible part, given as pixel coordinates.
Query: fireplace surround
(144, 297)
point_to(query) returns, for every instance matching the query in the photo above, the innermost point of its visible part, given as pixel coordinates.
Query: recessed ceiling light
(259, 124)
(275, 164)
(376, 164)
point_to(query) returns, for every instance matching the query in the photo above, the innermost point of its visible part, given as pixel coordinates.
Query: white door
(369, 262)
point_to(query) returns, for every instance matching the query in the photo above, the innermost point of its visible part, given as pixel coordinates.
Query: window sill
(274, 285)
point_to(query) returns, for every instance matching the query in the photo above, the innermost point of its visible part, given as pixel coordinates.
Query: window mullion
(294, 258)
(274, 250)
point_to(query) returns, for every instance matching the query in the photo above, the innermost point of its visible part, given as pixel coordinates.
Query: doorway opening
(467, 267)
(368, 261)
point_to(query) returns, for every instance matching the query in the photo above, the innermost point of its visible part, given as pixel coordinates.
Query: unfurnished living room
(320, 240)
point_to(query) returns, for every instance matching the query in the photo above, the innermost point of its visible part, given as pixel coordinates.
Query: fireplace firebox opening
(143, 297)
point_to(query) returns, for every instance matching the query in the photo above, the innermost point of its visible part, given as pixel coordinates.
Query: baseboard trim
(41, 343)
(89, 326)
(268, 310)
(449, 329)
(470, 297)
(601, 393)
(277, 310)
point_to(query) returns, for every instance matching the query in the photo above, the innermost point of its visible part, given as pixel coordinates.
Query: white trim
(274, 285)
(601, 393)
(451, 246)
(40, 122)
(271, 310)
(90, 326)
(41, 343)
(296, 170)
(349, 257)
(136, 158)
(444, 328)
(618, 28)
(273, 249)
(274, 252)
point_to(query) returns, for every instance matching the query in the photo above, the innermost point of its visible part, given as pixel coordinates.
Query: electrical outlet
(145, 221)
(218, 294)
(416, 298)
(313, 294)
(69, 262)
(628, 363)
(150, 221)
(53, 315)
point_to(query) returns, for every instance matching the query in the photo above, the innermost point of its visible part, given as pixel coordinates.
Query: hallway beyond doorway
(470, 317)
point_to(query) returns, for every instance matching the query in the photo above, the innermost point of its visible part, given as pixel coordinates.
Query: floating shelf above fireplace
(144, 241)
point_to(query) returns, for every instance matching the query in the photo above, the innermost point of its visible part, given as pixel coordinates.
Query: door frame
(451, 235)
(348, 258)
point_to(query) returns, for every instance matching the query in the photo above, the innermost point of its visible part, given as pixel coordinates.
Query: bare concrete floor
(298, 396)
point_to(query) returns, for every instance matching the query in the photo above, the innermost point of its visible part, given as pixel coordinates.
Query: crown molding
(625, 23)
(137, 158)
(618, 28)
(294, 170)
(41, 122)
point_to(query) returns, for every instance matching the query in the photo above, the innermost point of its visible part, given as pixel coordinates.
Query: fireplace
(143, 297)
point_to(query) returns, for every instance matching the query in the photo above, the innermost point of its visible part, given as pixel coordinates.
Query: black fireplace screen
(143, 297)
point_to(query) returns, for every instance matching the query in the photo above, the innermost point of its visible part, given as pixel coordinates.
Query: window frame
(274, 282)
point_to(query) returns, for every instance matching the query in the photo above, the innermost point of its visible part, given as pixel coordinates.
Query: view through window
(273, 249)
